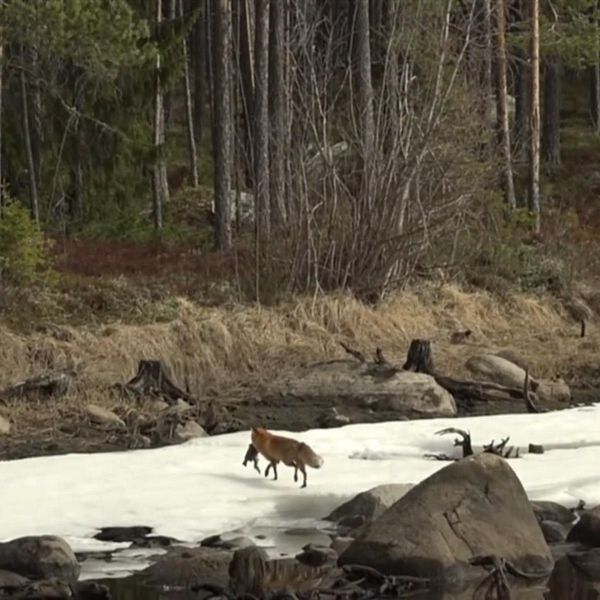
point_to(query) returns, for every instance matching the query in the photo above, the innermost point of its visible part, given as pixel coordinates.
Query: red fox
(276, 448)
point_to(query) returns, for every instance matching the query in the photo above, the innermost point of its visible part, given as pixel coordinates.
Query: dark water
(566, 583)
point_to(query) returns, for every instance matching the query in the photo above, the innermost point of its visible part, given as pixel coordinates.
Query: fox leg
(274, 464)
(268, 469)
(302, 469)
(295, 473)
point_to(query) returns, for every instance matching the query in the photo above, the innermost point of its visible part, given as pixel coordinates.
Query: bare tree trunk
(363, 67)
(189, 110)
(261, 121)
(1, 113)
(160, 185)
(199, 55)
(168, 96)
(277, 110)
(222, 141)
(595, 96)
(521, 87)
(245, 68)
(534, 114)
(488, 52)
(33, 192)
(502, 105)
(551, 122)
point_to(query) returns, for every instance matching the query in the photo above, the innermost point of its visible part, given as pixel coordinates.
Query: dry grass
(214, 350)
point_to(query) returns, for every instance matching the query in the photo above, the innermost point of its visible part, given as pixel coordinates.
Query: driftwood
(52, 385)
(152, 380)
(464, 441)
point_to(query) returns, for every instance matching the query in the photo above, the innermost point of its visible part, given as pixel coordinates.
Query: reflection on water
(566, 583)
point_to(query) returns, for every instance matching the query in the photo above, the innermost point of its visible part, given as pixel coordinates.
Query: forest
(301, 146)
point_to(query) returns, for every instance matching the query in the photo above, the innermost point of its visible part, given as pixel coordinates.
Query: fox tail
(310, 457)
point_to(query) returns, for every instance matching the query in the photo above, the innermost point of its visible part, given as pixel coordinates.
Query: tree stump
(419, 357)
(153, 380)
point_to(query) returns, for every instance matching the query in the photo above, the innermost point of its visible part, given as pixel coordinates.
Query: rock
(182, 406)
(90, 590)
(514, 357)
(4, 426)
(554, 390)
(189, 567)
(340, 543)
(46, 589)
(368, 505)
(104, 417)
(251, 572)
(332, 418)
(189, 431)
(154, 541)
(315, 555)
(123, 534)
(587, 530)
(157, 405)
(473, 507)
(39, 557)
(216, 541)
(11, 581)
(588, 562)
(495, 369)
(554, 533)
(344, 382)
(552, 511)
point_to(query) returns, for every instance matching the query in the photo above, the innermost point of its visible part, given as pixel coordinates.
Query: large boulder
(553, 390)
(587, 530)
(187, 567)
(488, 367)
(39, 557)
(552, 511)
(476, 506)
(369, 505)
(386, 388)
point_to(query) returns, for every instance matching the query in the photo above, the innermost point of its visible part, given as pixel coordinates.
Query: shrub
(24, 252)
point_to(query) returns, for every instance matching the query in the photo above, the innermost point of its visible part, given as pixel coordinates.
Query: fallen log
(51, 385)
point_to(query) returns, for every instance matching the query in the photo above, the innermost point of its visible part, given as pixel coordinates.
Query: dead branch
(464, 442)
(355, 353)
(529, 403)
(380, 358)
(419, 357)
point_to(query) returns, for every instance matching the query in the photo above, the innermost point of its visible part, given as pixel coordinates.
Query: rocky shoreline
(468, 525)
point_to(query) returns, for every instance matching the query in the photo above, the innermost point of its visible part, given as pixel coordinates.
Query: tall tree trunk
(534, 114)
(168, 95)
(363, 68)
(160, 185)
(261, 121)
(33, 191)
(199, 55)
(502, 105)
(595, 96)
(189, 110)
(521, 85)
(487, 63)
(551, 122)
(245, 70)
(222, 140)
(1, 114)
(277, 109)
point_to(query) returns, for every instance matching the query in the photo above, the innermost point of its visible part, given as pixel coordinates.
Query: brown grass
(215, 350)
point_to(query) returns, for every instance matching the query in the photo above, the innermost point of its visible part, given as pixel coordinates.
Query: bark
(245, 65)
(168, 101)
(551, 122)
(363, 69)
(261, 120)
(534, 114)
(488, 51)
(595, 96)
(502, 106)
(277, 109)
(160, 185)
(189, 111)
(521, 104)
(222, 123)
(33, 192)
(1, 116)
(199, 56)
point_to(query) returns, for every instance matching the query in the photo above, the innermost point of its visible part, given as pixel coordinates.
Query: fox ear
(254, 429)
